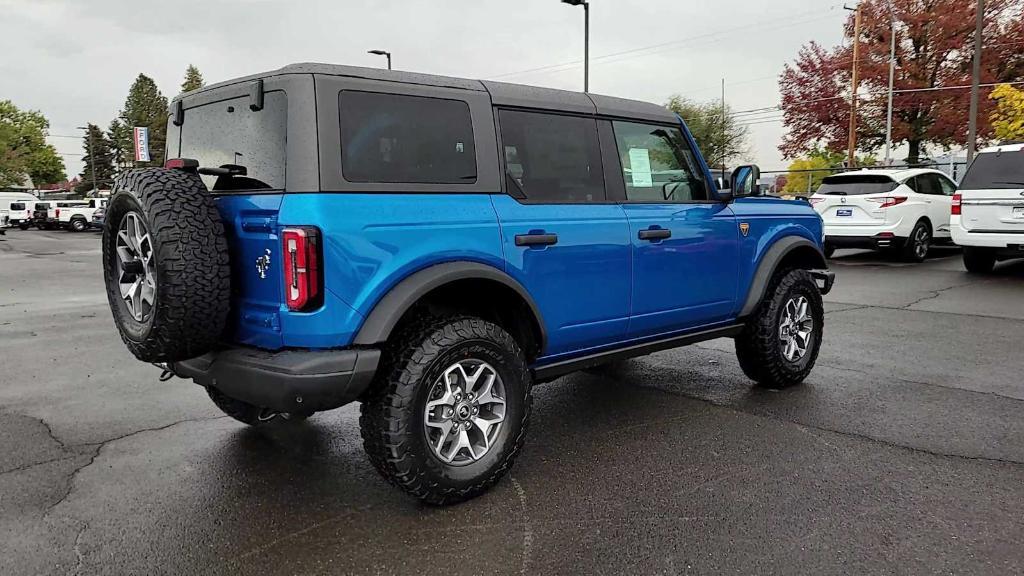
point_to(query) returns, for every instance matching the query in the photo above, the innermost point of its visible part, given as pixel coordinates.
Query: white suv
(899, 210)
(988, 210)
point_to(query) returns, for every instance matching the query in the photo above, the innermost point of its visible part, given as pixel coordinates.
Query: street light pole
(382, 53)
(92, 158)
(972, 123)
(586, 39)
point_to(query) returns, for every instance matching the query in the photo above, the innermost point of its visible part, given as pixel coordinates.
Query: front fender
(810, 254)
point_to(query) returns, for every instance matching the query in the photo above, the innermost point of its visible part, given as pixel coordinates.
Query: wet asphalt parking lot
(903, 452)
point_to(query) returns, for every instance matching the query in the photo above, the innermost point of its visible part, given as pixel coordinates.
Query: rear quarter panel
(770, 219)
(373, 241)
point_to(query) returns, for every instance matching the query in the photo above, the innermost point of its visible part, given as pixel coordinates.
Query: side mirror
(745, 181)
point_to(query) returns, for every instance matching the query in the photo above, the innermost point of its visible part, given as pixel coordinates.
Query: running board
(551, 371)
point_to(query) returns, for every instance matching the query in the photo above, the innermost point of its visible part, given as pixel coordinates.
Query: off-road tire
(979, 260)
(193, 276)
(250, 414)
(757, 347)
(908, 252)
(391, 417)
(77, 225)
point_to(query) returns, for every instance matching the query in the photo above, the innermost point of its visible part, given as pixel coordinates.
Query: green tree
(1008, 116)
(193, 79)
(720, 137)
(23, 148)
(120, 137)
(98, 153)
(147, 107)
(805, 174)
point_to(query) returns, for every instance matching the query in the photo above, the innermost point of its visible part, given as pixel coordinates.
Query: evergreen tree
(193, 79)
(120, 137)
(98, 153)
(147, 107)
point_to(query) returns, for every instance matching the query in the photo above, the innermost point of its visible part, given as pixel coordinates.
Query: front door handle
(655, 234)
(539, 239)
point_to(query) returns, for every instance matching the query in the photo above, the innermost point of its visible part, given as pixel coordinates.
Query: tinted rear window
(995, 170)
(396, 138)
(42, 206)
(856, 185)
(229, 132)
(17, 206)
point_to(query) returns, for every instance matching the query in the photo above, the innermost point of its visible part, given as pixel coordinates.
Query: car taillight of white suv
(987, 214)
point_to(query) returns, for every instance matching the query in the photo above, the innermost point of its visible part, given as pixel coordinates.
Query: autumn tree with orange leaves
(934, 48)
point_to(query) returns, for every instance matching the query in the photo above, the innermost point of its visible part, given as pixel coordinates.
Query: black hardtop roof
(501, 93)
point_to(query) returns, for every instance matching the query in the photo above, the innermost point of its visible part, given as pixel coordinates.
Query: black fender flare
(770, 263)
(389, 310)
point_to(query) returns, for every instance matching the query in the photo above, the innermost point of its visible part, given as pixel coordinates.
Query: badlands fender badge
(744, 228)
(263, 264)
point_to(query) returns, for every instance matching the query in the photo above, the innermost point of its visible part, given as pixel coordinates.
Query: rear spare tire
(165, 265)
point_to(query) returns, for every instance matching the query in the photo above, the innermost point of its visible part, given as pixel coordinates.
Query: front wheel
(917, 245)
(448, 410)
(780, 343)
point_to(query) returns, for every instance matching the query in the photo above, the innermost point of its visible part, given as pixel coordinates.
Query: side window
(658, 164)
(230, 133)
(929, 184)
(17, 206)
(948, 188)
(552, 158)
(912, 184)
(405, 139)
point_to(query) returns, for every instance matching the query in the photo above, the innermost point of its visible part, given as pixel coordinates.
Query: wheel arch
(789, 251)
(470, 286)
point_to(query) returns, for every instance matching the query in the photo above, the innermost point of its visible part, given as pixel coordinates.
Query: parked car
(988, 209)
(19, 207)
(5, 221)
(900, 211)
(98, 217)
(434, 248)
(77, 216)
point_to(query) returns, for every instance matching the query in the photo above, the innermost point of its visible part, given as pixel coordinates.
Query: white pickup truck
(77, 215)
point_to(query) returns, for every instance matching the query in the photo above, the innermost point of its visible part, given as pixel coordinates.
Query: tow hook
(166, 372)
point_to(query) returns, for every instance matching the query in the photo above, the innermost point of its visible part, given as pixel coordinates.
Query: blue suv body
(365, 214)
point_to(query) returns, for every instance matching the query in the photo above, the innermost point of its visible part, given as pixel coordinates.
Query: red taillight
(955, 206)
(888, 201)
(814, 201)
(302, 277)
(57, 213)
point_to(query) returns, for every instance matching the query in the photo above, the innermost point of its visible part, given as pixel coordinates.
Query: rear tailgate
(853, 199)
(992, 192)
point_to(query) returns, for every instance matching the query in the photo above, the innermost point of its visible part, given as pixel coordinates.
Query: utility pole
(972, 125)
(725, 137)
(852, 157)
(892, 73)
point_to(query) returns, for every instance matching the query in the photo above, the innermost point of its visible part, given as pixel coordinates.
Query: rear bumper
(870, 242)
(285, 381)
(1007, 239)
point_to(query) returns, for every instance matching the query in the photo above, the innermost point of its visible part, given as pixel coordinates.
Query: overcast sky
(75, 60)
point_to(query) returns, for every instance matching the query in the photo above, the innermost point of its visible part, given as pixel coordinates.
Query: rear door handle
(540, 239)
(655, 234)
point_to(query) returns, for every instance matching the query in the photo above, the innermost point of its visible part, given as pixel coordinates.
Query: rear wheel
(780, 343)
(917, 245)
(448, 410)
(24, 225)
(979, 260)
(78, 225)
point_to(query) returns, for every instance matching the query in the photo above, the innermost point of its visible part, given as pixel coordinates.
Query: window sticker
(640, 167)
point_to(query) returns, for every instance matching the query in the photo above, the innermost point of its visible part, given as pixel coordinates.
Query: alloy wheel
(136, 277)
(795, 328)
(921, 240)
(465, 412)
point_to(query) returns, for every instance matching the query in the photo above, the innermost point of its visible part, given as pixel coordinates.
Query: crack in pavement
(936, 293)
(77, 549)
(98, 447)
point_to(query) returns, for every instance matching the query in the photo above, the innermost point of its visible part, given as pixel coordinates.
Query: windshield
(995, 170)
(841, 185)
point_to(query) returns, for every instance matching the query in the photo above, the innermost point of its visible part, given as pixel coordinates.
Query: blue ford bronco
(432, 247)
